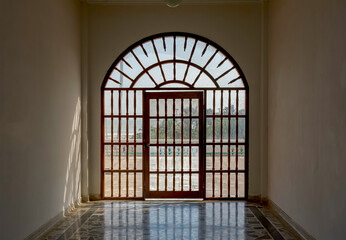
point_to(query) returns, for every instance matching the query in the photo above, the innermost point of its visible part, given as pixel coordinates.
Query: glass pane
(131, 190)
(195, 130)
(108, 131)
(139, 102)
(123, 184)
(233, 154)
(177, 107)
(153, 130)
(162, 107)
(170, 158)
(153, 159)
(178, 131)
(123, 129)
(217, 102)
(169, 107)
(210, 99)
(116, 157)
(224, 185)
(169, 182)
(139, 157)
(107, 102)
(186, 130)
(139, 184)
(115, 129)
(225, 122)
(186, 166)
(123, 110)
(162, 134)
(217, 157)
(233, 102)
(162, 182)
(115, 184)
(225, 102)
(115, 102)
(217, 129)
(241, 157)
(241, 130)
(232, 186)
(209, 185)
(108, 184)
(209, 129)
(131, 136)
(195, 158)
(131, 157)
(186, 105)
(107, 152)
(178, 156)
(178, 182)
(170, 130)
(186, 182)
(241, 102)
(224, 157)
(233, 129)
(194, 182)
(139, 130)
(162, 158)
(195, 109)
(123, 151)
(209, 157)
(241, 185)
(153, 108)
(130, 103)
(217, 182)
(153, 182)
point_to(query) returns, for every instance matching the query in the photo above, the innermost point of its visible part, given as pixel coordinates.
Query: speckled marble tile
(168, 220)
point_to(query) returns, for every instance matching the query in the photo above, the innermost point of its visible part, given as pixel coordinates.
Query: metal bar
(123, 170)
(158, 60)
(157, 148)
(224, 73)
(114, 80)
(236, 152)
(190, 131)
(124, 74)
(213, 145)
(112, 120)
(221, 62)
(229, 140)
(181, 142)
(235, 80)
(189, 62)
(174, 56)
(205, 66)
(165, 144)
(173, 143)
(135, 146)
(221, 139)
(144, 69)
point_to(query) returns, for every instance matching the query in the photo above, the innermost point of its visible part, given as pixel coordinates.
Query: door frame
(146, 134)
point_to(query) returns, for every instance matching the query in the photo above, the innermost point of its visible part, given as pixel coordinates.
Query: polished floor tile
(169, 220)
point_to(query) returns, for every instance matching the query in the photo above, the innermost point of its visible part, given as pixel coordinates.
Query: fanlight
(175, 60)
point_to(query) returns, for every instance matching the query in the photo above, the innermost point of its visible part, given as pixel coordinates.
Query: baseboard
(53, 221)
(257, 199)
(94, 197)
(288, 222)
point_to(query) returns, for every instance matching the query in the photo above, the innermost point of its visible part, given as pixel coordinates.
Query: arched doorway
(174, 121)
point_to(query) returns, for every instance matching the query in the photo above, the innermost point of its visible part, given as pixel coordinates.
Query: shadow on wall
(72, 191)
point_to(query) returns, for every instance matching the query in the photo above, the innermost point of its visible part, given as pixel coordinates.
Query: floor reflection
(166, 220)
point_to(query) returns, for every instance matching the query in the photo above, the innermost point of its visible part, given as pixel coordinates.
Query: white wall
(113, 28)
(307, 113)
(39, 112)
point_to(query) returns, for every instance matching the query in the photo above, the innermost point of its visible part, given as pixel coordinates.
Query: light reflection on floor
(168, 220)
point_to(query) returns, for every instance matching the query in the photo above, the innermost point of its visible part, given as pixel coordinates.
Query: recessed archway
(174, 121)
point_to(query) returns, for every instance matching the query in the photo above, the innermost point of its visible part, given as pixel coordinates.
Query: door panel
(173, 141)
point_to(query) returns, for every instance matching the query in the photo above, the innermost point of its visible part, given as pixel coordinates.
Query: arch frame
(189, 87)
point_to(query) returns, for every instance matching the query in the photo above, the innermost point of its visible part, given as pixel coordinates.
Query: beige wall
(307, 113)
(113, 28)
(39, 112)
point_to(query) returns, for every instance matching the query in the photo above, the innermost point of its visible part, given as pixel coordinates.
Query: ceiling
(195, 2)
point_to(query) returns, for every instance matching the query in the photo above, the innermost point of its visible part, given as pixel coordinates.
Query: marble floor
(169, 220)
